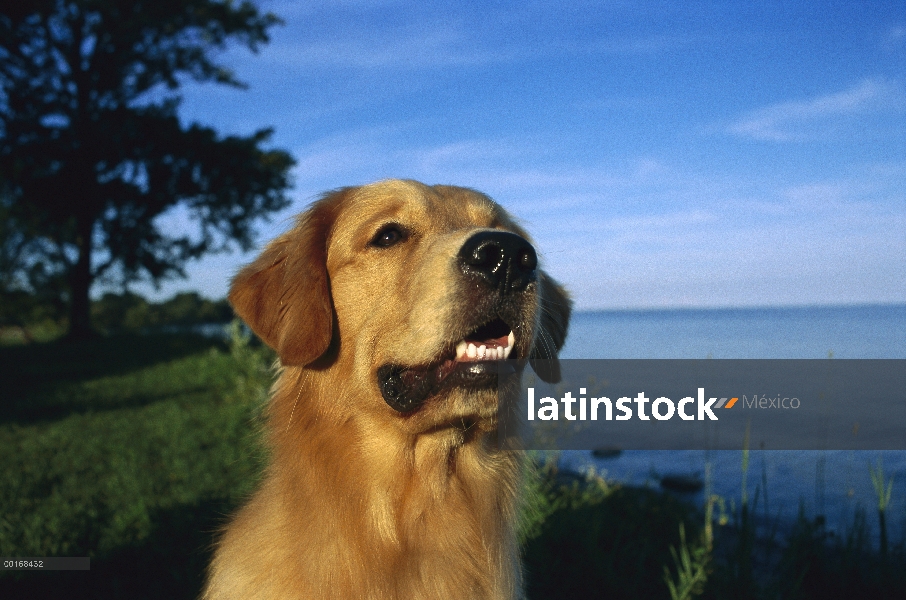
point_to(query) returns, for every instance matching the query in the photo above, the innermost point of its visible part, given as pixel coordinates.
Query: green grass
(600, 540)
(129, 450)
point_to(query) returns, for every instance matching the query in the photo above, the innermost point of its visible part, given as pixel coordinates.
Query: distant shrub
(128, 312)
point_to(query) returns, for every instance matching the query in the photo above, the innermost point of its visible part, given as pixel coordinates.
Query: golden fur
(361, 500)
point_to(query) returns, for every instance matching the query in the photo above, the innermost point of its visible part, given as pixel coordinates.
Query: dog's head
(416, 296)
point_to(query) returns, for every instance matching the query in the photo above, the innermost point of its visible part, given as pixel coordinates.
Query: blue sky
(662, 154)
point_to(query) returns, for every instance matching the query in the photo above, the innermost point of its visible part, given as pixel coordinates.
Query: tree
(92, 151)
(30, 293)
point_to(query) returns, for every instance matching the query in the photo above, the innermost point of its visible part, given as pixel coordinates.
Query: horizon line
(663, 309)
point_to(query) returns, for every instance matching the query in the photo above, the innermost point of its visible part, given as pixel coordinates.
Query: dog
(392, 308)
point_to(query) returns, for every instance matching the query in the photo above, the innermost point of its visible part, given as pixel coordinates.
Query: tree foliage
(92, 151)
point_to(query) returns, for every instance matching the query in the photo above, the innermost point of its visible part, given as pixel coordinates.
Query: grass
(599, 540)
(131, 450)
(882, 491)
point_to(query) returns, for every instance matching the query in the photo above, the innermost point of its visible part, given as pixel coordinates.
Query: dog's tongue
(490, 343)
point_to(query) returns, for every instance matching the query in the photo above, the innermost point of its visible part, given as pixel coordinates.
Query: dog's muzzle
(499, 265)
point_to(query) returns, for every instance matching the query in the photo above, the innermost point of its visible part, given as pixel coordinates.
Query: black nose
(499, 260)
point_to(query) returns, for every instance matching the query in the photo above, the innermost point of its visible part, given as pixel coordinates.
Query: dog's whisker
(547, 342)
(300, 383)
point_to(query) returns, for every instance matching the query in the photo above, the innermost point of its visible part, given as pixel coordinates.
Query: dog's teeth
(468, 350)
(510, 343)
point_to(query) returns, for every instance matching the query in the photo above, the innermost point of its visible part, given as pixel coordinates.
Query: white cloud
(293, 9)
(896, 35)
(397, 48)
(389, 34)
(646, 232)
(849, 257)
(797, 120)
(652, 235)
(424, 46)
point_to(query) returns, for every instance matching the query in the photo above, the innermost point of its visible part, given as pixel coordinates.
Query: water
(217, 331)
(847, 332)
(829, 483)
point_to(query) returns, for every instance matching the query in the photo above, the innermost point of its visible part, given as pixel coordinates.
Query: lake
(829, 483)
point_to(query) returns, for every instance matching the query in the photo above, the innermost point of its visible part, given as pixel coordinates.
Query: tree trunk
(80, 284)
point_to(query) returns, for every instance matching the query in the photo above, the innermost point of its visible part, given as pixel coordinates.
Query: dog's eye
(388, 235)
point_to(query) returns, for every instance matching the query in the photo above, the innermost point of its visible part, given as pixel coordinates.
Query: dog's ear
(556, 307)
(284, 295)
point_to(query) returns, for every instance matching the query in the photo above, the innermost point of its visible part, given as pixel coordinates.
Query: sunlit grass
(96, 458)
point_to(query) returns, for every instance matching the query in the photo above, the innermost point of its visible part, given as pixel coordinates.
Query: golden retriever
(392, 307)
